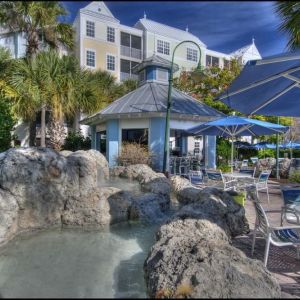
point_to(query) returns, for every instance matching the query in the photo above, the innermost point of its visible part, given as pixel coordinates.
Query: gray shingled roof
(151, 97)
(155, 60)
(168, 31)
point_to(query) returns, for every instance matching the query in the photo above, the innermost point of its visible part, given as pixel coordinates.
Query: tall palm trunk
(76, 126)
(31, 52)
(43, 126)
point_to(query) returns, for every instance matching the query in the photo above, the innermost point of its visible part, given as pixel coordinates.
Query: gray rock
(211, 203)
(40, 187)
(187, 262)
(150, 181)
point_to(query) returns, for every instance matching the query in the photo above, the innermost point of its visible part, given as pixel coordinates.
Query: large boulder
(40, 187)
(212, 203)
(193, 259)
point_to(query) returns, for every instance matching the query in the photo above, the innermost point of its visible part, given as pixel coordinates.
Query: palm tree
(290, 13)
(38, 20)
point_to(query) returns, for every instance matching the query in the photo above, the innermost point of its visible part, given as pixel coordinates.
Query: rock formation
(193, 256)
(40, 187)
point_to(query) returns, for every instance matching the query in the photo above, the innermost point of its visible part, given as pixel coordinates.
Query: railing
(131, 52)
(125, 76)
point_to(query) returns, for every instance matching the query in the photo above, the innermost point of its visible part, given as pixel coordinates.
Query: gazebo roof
(150, 99)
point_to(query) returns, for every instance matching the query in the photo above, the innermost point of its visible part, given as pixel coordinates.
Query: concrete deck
(282, 261)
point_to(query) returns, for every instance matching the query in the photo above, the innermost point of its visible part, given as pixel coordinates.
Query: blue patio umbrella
(264, 145)
(290, 145)
(270, 87)
(233, 126)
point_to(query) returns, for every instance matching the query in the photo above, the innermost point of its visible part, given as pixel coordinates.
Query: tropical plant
(289, 11)
(7, 122)
(38, 21)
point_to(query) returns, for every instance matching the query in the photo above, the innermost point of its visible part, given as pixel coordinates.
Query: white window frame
(110, 34)
(164, 45)
(115, 62)
(91, 29)
(165, 71)
(191, 54)
(86, 58)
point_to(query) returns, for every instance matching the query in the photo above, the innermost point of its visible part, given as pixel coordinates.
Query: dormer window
(90, 28)
(163, 47)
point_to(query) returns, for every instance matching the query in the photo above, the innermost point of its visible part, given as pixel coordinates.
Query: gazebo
(140, 116)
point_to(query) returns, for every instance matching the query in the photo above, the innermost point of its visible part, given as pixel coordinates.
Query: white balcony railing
(131, 52)
(125, 76)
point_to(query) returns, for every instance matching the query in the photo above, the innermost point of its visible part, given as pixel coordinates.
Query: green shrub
(225, 168)
(7, 122)
(295, 177)
(76, 141)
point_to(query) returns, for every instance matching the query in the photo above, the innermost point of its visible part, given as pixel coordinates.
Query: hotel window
(162, 75)
(110, 62)
(212, 61)
(163, 47)
(110, 34)
(90, 28)
(191, 54)
(90, 58)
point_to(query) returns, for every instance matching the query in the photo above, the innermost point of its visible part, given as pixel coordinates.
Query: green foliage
(37, 19)
(76, 141)
(289, 11)
(264, 153)
(7, 122)
(295, 177)
(225, 168)
(205, 85)
(223, 150)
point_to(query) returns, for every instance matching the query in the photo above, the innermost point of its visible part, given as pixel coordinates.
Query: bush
(76, 141)
(134, 153)
(223, 150)
(7, 122)
(295, 177)
(224, 168)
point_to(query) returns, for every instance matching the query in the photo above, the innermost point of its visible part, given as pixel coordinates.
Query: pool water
(75, 263)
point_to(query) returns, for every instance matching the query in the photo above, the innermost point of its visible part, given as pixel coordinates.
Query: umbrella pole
(231, 154)
(277, 152)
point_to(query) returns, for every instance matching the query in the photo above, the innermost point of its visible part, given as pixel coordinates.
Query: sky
(222, 26)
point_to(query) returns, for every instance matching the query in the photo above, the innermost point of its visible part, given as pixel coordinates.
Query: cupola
(154, 69)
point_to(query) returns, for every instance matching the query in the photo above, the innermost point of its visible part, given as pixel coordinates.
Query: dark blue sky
(222, 26)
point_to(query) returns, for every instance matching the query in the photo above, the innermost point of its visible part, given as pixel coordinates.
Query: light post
(169, 104)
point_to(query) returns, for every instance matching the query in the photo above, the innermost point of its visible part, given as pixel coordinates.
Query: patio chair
(261, 183)
(290, 212)
(217, 177)
(277, 236)
(248, 170)
(244, 163)
(184, 166)
(254, 159)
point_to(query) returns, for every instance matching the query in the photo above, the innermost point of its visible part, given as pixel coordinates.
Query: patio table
(237, 175)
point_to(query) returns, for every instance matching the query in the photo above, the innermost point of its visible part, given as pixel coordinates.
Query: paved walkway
(282, 261)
